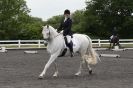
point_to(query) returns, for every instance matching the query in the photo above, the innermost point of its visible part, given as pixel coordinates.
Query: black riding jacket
(66, 27)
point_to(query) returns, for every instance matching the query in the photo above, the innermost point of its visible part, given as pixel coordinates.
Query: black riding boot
(66, 42)
(63, 53)
(70, 46)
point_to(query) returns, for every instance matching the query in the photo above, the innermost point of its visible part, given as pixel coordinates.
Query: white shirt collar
(65, 19)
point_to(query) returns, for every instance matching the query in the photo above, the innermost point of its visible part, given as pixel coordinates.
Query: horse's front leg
(51, 60)
(56, 70)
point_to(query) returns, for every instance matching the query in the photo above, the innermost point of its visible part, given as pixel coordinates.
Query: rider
(114, 33)
(66, 25)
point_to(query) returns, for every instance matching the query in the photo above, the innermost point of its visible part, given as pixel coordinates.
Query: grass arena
(20, 70)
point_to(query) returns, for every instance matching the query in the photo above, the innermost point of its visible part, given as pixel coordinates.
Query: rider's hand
(61, 32)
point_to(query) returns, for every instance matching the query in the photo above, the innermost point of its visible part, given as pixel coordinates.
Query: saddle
(68, 41)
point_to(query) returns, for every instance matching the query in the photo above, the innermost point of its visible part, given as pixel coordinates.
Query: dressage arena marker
(3, 50)
(128, 48)
(118, 49)
(31, 52)
(110, 55)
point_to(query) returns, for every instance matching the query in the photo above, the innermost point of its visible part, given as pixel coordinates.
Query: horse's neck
(55, 44)
(53, 34)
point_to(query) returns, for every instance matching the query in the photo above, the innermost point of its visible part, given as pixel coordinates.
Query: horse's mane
(52, 28)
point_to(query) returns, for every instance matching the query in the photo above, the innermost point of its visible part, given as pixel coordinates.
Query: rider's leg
(66, 42)
(71, 48)
(63, 53)
(69, 45)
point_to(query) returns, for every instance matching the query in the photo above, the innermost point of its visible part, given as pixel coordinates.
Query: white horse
(82, 45)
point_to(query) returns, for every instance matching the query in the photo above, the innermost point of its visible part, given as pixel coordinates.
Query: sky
(47, 8)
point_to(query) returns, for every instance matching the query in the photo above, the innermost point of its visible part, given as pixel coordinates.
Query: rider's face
(67, 15)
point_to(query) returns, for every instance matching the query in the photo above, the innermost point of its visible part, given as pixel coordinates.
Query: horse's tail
(91, 56)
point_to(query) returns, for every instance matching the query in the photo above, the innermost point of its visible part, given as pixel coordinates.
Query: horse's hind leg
(89, 68)
(80, 68)
(82, 61)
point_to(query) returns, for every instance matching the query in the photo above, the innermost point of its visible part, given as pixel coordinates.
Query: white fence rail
(123, 42)
(40, 43)
(22, 43)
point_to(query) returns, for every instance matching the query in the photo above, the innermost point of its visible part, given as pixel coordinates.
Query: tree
(105, 15)
(32, 29)
(55, 21)
(13, 13)
(78, 21)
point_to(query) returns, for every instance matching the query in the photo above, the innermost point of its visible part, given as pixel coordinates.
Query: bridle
(49, 39)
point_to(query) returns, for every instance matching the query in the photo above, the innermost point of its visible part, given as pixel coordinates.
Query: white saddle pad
(75, 42)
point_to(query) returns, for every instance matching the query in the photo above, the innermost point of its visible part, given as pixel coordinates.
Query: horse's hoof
(40, 77)
(100, 55)
(77, 75)
(54, 76)
(90, 72)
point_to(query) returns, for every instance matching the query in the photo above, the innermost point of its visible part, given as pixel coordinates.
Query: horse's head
(48, 32)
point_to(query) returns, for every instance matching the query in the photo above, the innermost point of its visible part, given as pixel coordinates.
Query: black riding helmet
(67, 11)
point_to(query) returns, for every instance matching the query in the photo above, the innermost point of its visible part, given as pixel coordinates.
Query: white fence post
(19, 43)
(99, 43)
(39, 44)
